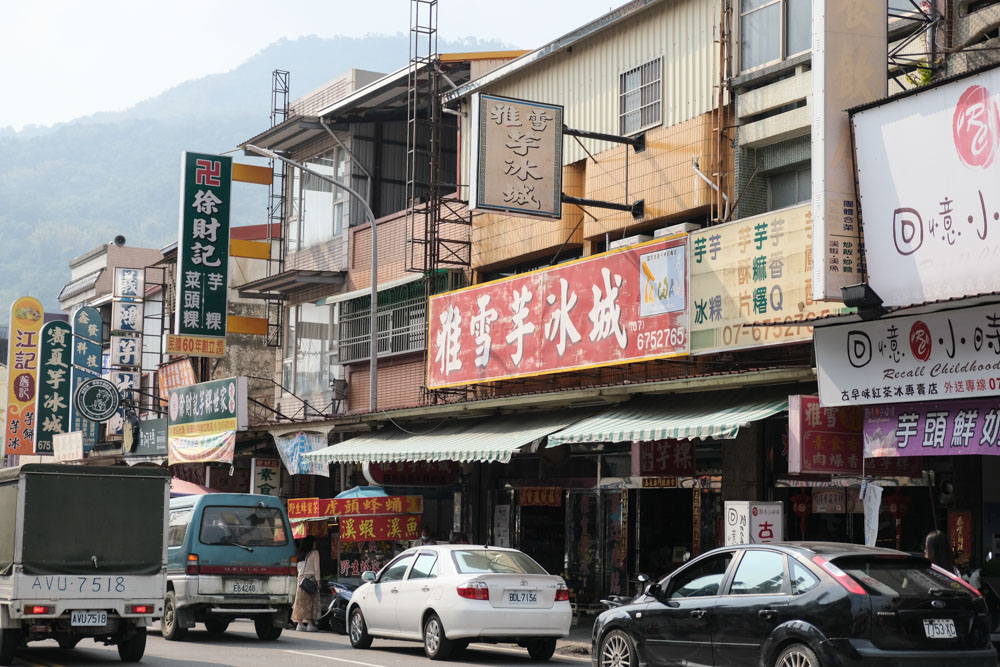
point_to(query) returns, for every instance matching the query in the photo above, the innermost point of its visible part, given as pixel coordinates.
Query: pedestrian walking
(306, 609)
(937, 548)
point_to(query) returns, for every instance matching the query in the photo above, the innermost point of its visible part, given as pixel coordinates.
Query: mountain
(68, 188)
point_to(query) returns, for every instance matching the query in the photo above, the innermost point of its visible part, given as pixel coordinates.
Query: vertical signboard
(203, 248)
(754, 522)
(516, 156)
(266, 476)
(848, 69)
(87, 344)
(53, 400)
(22, 376)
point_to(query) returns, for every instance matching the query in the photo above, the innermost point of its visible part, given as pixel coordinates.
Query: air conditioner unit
(629, 241)
(682, 228)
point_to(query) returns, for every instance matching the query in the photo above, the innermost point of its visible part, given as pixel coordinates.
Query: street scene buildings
(697, 273)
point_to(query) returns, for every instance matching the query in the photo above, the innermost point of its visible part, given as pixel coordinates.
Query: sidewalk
(578, 642)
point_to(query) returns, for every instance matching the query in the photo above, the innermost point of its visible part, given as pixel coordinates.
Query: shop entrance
(663, 529)
(543, 535)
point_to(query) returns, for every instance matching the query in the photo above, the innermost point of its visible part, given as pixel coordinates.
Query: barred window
(640, 97)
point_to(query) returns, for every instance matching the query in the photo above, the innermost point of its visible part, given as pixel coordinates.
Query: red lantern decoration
(802, 506)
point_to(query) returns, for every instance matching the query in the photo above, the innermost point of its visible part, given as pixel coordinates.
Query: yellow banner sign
(26, 317)
(751, 272)
(196, 346)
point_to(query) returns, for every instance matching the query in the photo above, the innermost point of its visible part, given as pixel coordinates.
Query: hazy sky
(62, 59)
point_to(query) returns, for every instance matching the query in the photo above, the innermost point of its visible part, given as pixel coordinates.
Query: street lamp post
(373, 320)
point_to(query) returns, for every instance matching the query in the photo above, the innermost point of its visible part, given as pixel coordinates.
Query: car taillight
(140, 609)
(474, 590)
(562, 594)
(37, 609)
(842, 577)
(292, 570)
(957, 578)
(192, 566)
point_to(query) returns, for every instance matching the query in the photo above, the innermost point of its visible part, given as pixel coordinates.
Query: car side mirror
(368, 576)
(654, 590)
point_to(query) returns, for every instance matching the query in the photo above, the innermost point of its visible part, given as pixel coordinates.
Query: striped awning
(486, 440)
(681, 417)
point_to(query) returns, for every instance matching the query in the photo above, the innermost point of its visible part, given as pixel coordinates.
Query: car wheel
(617, 650)
(216, 625)
(797, 655)
(437, 646)
(266, 630)
(168, 624)
(541, 649)
(9, 639)
(131, 649)
(359, 630)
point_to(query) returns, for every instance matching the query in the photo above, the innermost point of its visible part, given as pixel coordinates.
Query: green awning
(682, 417)
(486, 440)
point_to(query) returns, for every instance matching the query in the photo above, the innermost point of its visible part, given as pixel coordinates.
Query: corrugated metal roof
(485, 440)
(687, 417)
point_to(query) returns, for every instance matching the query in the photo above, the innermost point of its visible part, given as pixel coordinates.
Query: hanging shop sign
(203, 249)
(851, 31)
(87, 345)
(67, 447)
(174, 374)
(314, 508)
(516, 156)
(829, 501)
(266, 476)
(380, 528)
(152, 438)
(414, 473)
(26, 316)
(53, 396)
(96, 399)
(933, 429)
(960, 535)
(127, 383)
(928, 240)
(293, 447)
(662, 458)
(129, 283)
(934, 356)
(126, 317)
(749, 522)
(208, 407)
(617, 307)
(218, 447)
(540, 496)
(755, 271)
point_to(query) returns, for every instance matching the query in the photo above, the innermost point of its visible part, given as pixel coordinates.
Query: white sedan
(449, 595)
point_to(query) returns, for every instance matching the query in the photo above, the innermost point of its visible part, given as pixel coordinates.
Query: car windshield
(901, 577)
(500, 562)
(243, 526)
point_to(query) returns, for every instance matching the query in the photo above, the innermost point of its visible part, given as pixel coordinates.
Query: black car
(799, 605)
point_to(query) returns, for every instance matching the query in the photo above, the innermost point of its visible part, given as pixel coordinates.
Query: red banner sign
(960, 535)
(830, 441)
(379, 528)
(415, 473)
(663, 458)
(616, 307)
(539, 496)
(311, 508)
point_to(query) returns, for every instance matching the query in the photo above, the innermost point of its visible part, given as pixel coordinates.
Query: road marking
(329, 657)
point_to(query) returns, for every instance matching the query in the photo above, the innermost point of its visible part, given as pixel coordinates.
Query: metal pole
(373, 320)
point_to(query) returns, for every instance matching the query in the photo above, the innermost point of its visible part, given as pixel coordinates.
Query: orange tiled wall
(399, 384)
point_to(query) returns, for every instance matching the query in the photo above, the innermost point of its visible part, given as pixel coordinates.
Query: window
(243, 525)
(901, 577)
(306, 363)
(177, 526)
(425, 567)
(395, 570)
(772, 30)
(402, 323)
(640, 97)
(789, 188)
(802, 579)
(318, 207)
(501, 562)
(759, 573)
(702, 579)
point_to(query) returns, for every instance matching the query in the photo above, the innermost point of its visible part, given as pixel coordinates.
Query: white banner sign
(928, 168)
(873, 502)
(935, 356)
(753, 523)
(68, 446)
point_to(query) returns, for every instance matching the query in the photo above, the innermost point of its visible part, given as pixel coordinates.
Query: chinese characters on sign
(928, 241)
(293, 446)
(539, 496)
(663, 457)
(934, 356)
(753, 522)
(517, 156)
(757, 270)
(88, 332)
(380, 528)
(960, 535)
(576, 315)
(152, 438)
(414, 473)
(203, 246)
(266, 476)
(933, 429)
(53, 399)
(22, 375)
(204, 418)
(311, 508)
(175, 374)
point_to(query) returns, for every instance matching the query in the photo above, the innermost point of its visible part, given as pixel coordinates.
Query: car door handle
(393, 590)
(426, 589)
(767, 614)
(697, 613)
